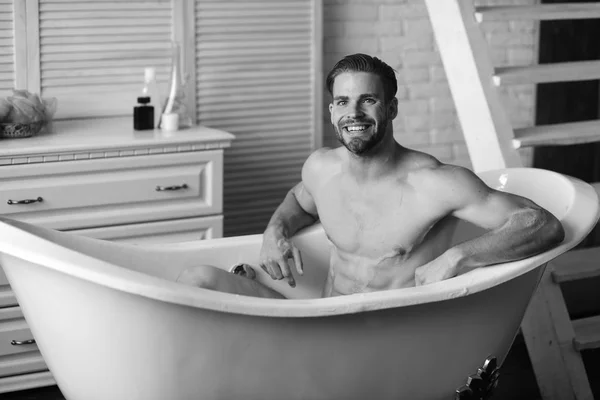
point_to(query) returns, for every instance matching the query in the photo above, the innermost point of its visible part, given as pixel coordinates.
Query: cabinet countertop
(106, 134)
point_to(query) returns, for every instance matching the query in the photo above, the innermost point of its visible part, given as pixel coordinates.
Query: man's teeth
(356, 128)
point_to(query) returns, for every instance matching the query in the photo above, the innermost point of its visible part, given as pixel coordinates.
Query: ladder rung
(539, 12)
(576, 264)
(555, 72)
(558, 134)
(587, 333)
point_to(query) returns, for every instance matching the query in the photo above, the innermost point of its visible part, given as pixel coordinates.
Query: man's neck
(377, 163)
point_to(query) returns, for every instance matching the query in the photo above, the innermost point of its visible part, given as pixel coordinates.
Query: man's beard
(361, 145)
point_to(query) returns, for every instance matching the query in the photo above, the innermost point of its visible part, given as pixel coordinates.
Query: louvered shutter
(93, 53)
(7, 53)
(255, 78)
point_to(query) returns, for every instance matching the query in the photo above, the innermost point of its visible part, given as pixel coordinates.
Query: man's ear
(393, 109)
(330, 107)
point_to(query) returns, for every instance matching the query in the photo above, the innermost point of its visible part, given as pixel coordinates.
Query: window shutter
(7, 53)
(93, 53)
(256, 77)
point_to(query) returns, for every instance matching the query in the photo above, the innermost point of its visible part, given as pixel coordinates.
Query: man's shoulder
(443, 171)
(325, 154)
(452, 185)
(416, 164)
(430, 171)
(320, 164)
(419, 161)
(322, 158)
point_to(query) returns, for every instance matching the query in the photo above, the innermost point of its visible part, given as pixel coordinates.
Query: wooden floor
(517, 381)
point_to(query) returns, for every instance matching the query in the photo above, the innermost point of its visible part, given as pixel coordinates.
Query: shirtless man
(388, 211)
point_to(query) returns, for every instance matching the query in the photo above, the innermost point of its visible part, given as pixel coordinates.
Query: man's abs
(350, 272)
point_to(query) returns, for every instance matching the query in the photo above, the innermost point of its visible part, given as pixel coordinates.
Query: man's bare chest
(376, 220)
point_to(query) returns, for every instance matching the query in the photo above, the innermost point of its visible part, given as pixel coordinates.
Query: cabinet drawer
(161, 232)
(26, 381)
(14, 328)
(23, 363)
(16, 360)
(190, 182)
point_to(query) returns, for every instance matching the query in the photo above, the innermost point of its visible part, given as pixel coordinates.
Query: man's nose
(356, 110)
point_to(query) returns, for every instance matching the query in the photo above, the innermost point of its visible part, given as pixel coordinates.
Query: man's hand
(434, 271)
(275, 256)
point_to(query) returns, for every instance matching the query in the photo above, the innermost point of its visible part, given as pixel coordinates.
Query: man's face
(359, 112)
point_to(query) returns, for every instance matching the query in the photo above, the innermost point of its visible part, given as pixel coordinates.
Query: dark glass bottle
(143, 114)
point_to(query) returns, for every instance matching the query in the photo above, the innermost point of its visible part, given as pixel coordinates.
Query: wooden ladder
(553, 340)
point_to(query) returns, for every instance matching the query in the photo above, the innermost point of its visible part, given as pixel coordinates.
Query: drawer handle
(22, 342)
(26, 201)
(167, 188)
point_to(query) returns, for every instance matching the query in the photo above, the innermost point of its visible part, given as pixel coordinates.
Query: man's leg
(208, 277)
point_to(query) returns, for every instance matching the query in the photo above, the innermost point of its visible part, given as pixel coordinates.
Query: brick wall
(399, 32)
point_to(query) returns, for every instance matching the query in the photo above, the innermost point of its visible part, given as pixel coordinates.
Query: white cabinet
(102, 179)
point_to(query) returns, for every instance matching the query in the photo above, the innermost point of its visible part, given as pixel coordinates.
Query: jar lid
(143, 100)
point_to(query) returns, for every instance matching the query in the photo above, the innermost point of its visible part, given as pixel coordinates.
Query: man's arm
(297, 211)
(518, 228)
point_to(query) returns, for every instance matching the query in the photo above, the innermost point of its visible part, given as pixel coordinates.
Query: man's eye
(370, 101)
(341, 103)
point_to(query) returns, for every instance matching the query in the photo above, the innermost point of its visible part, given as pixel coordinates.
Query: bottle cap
(149, 73)
(143, 100)
(169, 122)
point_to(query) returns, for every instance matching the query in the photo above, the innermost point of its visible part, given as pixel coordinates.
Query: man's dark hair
(365, 63)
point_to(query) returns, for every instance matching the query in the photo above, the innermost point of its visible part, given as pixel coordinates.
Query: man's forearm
(289, 217)
(527, 233)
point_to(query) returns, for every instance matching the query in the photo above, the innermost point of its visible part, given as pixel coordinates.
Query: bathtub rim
(69, 262)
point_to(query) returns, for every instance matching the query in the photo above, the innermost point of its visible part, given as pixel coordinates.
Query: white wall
(399, 32)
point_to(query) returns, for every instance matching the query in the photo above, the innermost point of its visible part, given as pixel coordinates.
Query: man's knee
(203, 276)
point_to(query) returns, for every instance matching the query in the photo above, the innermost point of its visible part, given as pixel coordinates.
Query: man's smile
(356, 128)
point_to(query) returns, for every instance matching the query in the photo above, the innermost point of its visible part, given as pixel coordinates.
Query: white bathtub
(111, 323)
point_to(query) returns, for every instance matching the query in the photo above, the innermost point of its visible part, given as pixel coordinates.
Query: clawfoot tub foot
(481, 385)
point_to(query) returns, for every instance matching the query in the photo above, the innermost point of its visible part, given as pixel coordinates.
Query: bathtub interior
(166, 262)
(552, 191)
